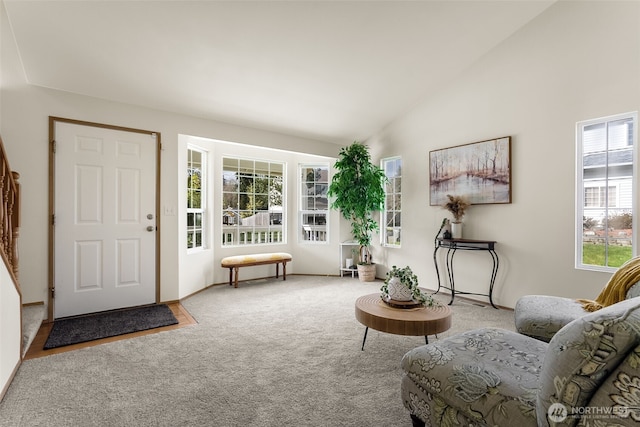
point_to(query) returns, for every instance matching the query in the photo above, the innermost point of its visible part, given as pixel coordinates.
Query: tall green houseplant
(357, 189)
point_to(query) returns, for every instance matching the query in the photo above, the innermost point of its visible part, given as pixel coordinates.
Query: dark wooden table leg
(365, 337)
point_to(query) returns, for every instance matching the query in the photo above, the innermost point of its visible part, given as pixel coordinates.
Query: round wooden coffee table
(374, 313)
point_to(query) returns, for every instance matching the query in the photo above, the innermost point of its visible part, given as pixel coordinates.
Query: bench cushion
(240, 260)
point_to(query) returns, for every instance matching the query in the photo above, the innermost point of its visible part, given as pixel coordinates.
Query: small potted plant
(401, 284)
(457, 205)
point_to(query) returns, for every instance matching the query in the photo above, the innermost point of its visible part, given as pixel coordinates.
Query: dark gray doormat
(108, 324)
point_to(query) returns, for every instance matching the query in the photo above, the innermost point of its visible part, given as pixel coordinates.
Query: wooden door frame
(52, 177)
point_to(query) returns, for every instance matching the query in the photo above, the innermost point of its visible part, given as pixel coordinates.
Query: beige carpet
(270, 353)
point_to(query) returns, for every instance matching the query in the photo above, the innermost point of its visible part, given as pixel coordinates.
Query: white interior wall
(4, 24)
(576, 61)
(10, 332)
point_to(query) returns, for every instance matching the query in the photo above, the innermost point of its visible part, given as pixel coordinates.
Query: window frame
(610, 179)
(395, 193)
(234, 233)
(603, 193)
(315, 236)
(202, 210)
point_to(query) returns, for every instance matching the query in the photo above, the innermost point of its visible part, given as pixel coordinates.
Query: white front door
(104, 220)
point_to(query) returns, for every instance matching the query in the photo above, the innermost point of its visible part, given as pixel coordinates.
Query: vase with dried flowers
(457, 205)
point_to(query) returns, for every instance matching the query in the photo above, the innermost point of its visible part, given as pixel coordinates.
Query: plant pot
(367, 272)
(397, 291)
(456, 230)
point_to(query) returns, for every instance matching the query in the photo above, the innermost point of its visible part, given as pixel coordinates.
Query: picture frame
(479, 171)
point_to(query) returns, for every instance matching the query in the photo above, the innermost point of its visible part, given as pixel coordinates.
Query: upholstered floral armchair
(541, 316)
(587, 375)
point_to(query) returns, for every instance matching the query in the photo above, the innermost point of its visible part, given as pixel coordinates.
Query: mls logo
(557, 412)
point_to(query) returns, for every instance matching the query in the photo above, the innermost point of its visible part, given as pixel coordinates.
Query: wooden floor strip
(36, 348)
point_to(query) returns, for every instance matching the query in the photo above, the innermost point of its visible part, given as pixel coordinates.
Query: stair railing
(9, 215)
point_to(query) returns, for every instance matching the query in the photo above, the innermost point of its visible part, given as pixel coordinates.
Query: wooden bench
(233, 263)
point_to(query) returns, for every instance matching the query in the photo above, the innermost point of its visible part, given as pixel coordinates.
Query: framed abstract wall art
(479, 171)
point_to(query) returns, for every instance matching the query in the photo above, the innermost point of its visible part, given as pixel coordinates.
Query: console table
(452, 245)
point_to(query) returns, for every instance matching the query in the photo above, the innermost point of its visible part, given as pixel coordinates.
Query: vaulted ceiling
(335, 71)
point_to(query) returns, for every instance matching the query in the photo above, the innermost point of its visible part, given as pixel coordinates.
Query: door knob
(150, 228)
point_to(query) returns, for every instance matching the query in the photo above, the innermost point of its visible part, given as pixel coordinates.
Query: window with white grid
(314, 203)
(196, 183)
(605, 191)
(252, 202)
(391, 231)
